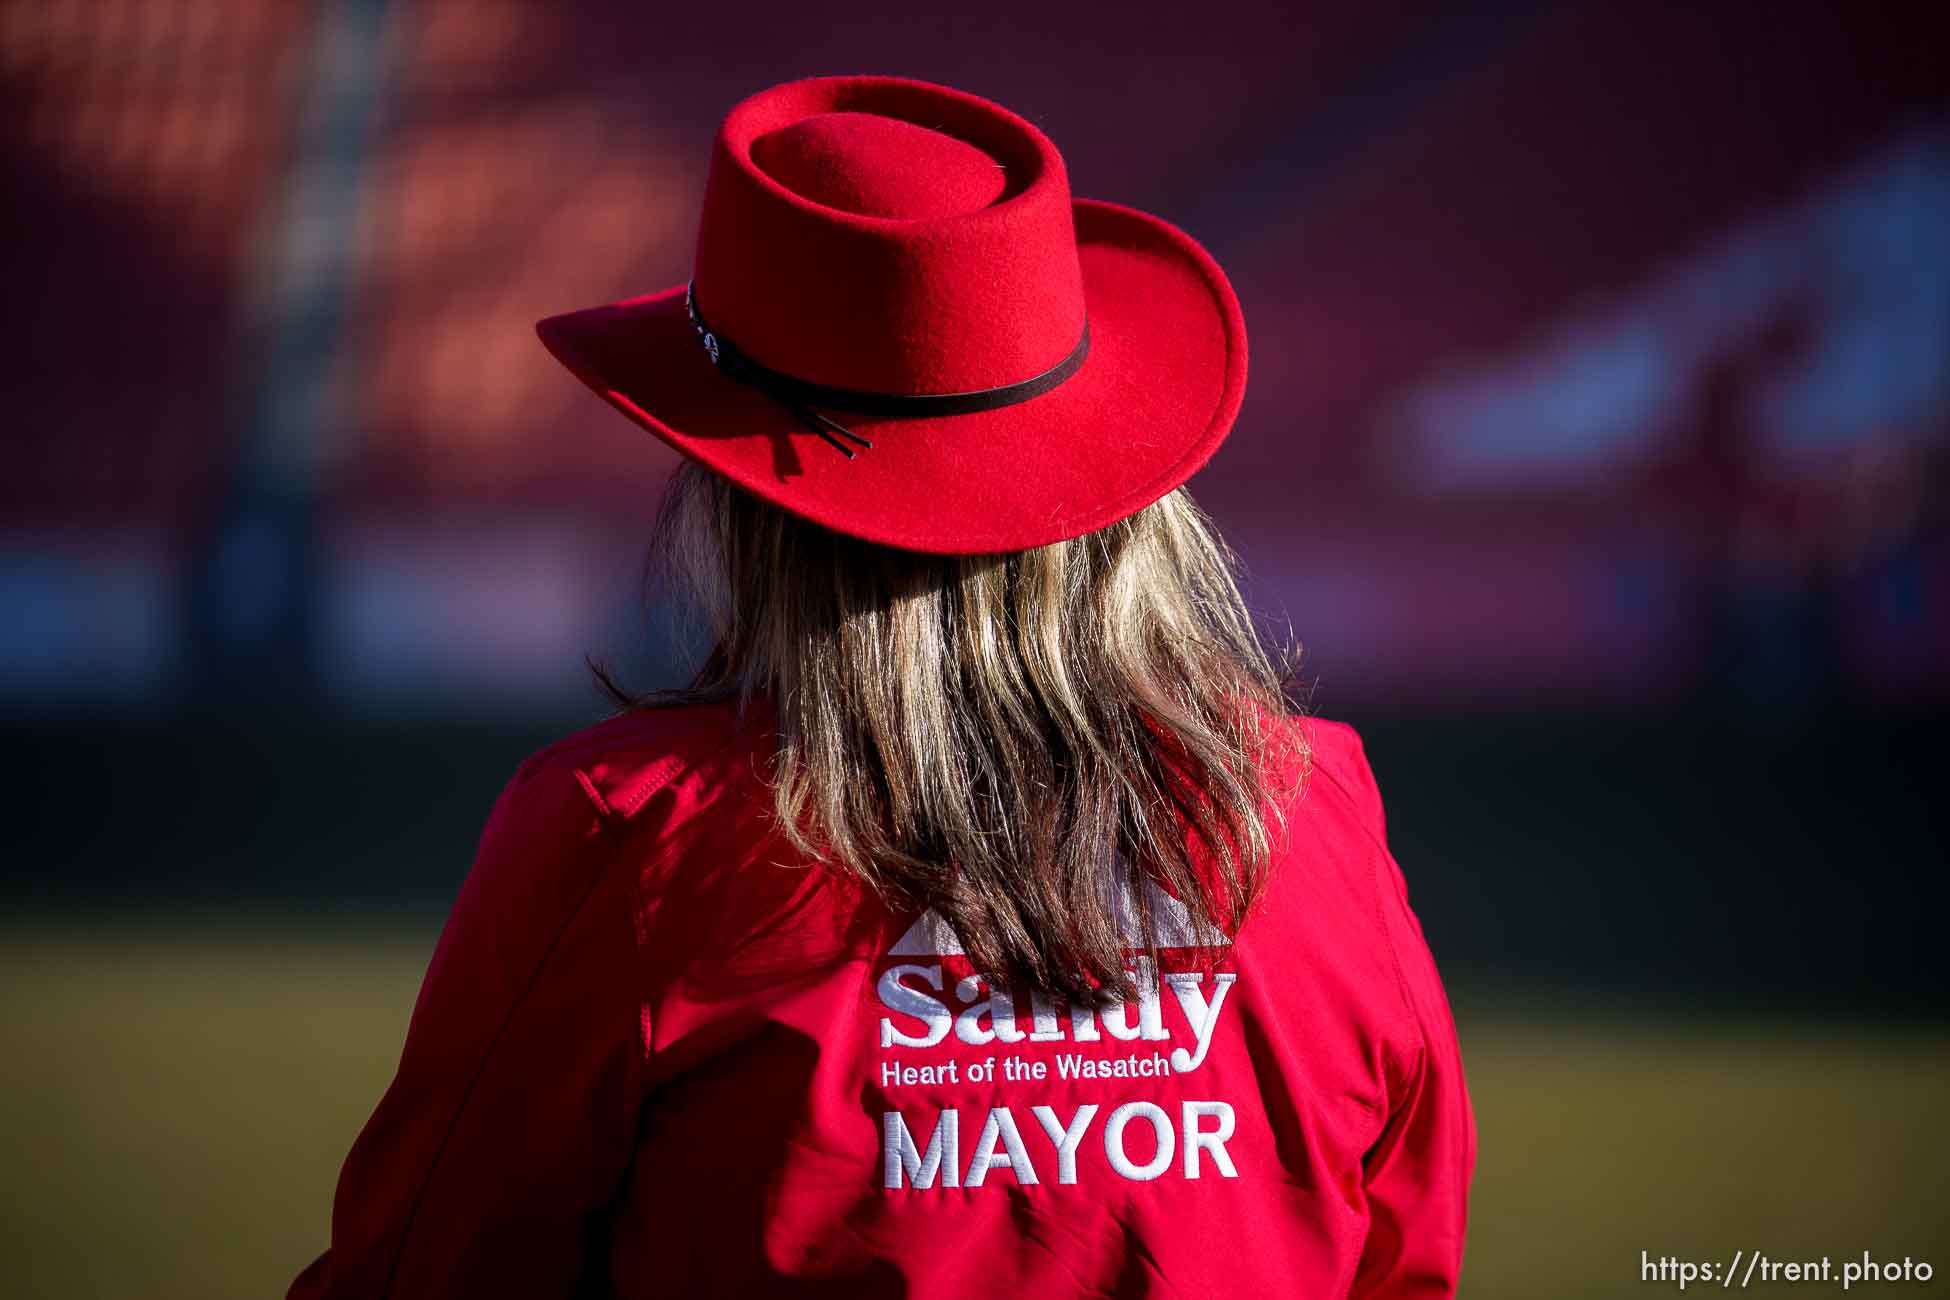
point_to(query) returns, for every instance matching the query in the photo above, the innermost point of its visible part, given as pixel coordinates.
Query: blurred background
(1596, 452)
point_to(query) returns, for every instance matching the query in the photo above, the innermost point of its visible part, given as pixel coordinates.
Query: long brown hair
(1016, 740)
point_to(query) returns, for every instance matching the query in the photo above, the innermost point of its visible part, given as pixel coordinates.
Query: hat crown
(883, 235)
(879, 166)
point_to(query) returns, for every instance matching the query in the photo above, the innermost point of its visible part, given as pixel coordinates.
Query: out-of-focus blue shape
(1863, 262)
(87, 624)
(253, 592)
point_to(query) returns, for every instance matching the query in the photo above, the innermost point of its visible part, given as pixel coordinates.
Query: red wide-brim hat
(901, 326)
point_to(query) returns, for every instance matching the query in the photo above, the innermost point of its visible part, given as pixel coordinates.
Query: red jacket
(651, 1058)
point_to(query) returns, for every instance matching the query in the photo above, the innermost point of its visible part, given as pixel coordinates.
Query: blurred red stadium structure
(1599, 350)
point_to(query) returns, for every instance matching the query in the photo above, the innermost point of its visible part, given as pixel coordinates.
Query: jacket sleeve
(1417, 1173)
(512, 1116)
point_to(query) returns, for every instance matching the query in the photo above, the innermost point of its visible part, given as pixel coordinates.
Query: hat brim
(1152, 401)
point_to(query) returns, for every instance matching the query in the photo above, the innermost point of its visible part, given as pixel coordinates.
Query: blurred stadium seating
(1596, 451)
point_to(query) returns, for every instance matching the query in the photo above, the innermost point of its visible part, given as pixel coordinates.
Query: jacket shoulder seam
(638, 791)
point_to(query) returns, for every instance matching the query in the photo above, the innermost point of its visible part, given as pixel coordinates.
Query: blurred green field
(174, 1103)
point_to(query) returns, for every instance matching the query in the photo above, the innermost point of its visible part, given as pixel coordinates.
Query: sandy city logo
(934, 1005)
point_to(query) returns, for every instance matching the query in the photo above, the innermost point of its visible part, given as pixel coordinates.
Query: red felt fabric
(944, 305)
(1156, 396)
(879, 166)
(935, 304)
(650, 1059)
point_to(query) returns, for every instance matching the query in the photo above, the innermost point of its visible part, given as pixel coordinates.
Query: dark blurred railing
(1699, 861)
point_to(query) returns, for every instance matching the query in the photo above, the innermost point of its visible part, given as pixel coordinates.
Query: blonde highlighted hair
(1019, 741)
